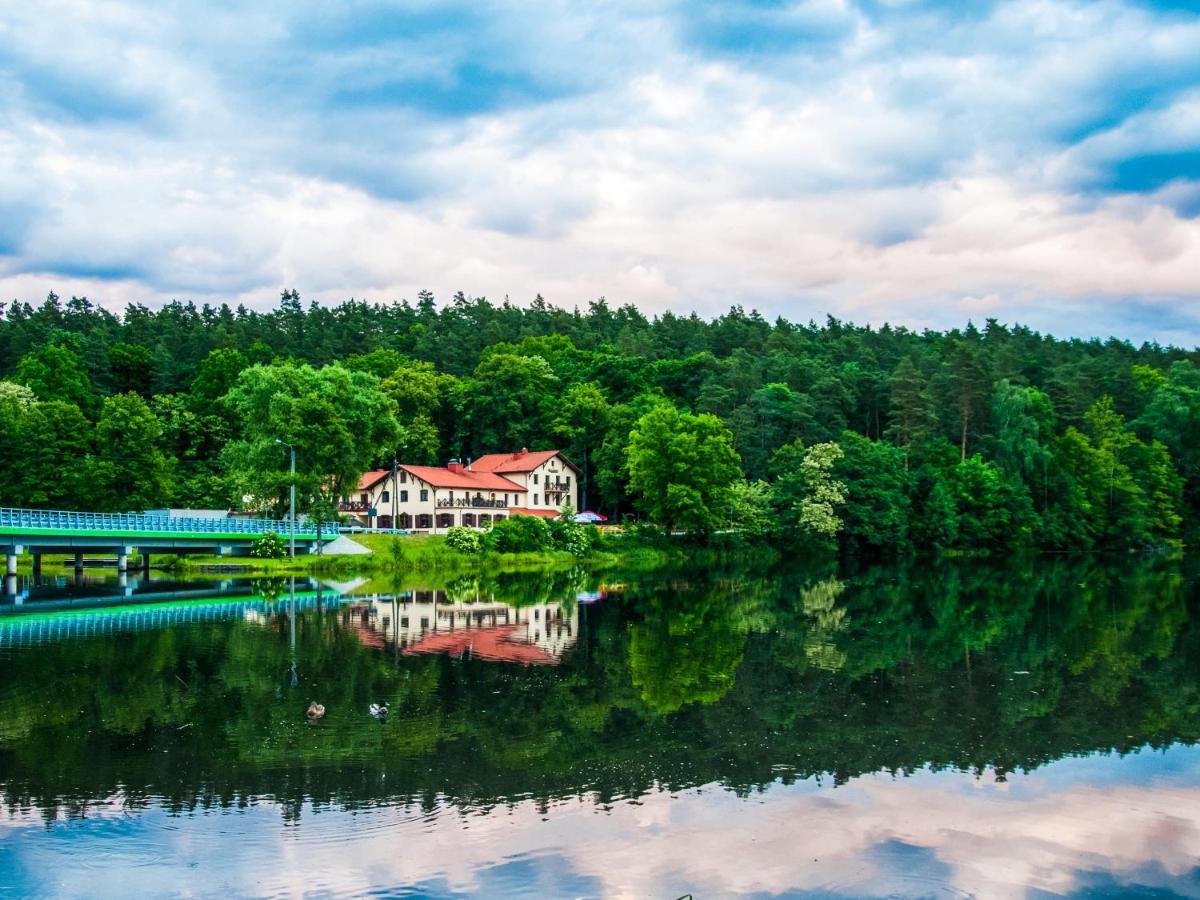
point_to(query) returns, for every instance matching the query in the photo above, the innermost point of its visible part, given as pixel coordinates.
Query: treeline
(881, 438)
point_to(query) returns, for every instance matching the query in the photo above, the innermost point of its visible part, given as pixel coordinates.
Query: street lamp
(291, 499)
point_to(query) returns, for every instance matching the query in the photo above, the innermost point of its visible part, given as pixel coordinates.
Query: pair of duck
(317, 711)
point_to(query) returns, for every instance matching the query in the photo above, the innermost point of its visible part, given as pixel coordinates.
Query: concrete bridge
(42, 531)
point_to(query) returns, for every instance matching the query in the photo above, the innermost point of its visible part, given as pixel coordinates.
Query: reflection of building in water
(419, 622)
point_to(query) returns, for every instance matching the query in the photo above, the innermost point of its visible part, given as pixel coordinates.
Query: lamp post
(291, 500)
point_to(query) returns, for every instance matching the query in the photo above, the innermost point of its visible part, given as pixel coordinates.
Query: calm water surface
(950, 731)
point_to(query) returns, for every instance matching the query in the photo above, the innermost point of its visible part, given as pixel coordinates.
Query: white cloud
(909, 173)
(929, 834)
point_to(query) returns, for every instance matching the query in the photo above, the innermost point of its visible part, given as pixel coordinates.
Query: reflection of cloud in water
(932, 834)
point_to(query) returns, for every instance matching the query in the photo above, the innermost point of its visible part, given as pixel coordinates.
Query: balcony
(353, 506)
(471, 503)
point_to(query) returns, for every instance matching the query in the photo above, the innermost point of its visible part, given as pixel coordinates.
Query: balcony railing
(353, 506)
(471, 503)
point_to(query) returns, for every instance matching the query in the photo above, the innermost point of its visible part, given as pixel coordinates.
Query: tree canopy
(1001, 435)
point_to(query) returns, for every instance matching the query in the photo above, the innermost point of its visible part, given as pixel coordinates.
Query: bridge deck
(131, 526)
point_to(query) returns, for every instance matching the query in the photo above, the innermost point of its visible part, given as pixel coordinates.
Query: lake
(950, 730)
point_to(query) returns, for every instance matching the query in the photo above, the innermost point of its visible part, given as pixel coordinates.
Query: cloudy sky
(915, 161)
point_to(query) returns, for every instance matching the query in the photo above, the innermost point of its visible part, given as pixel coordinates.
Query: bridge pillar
(11, 563)
(10, 585)
(145, 563)
(123, 560)
(78, 563)
(37, 565)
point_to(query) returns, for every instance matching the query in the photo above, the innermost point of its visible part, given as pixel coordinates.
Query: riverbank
(416, 553)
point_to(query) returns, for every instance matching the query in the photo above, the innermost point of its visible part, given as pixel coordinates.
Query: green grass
(424, 553)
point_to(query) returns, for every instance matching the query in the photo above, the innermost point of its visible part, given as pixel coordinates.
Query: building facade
(473, 494)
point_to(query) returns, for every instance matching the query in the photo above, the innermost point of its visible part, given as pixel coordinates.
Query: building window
(404, 496)
(451, 495)
(385, 497)
(535, 478)
(567, 481)
(424, 496)
(535, 500)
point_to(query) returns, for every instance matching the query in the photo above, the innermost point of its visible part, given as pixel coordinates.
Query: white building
(431, 499)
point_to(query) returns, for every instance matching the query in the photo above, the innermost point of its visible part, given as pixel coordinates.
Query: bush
(464, 540)
(571, 536)
(519, 534)
(269, 546)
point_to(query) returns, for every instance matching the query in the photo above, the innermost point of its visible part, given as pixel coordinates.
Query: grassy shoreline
(388, 553)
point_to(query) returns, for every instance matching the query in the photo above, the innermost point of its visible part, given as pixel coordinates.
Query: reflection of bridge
(52, 531)
(86, 616)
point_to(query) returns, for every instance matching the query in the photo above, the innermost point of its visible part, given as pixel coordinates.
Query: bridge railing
(63, 520)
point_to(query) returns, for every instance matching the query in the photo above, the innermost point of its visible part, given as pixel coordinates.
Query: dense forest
(880, 438)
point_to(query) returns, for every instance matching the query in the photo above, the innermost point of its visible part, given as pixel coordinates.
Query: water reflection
(894, 731)
(479, 625)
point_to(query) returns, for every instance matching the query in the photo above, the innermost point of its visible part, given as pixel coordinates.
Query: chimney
(521, 452)
(469, 469)
(454, 466)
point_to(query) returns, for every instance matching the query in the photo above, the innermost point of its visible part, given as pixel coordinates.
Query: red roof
(500, 644)
(541, 513)
(478, 481)
(522, 461)
(372, 478)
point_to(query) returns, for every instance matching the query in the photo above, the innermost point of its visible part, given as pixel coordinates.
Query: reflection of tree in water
(819, 603)
(724, 676)
(687, 648)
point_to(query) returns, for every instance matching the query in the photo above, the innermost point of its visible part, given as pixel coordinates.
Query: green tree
(876, 508)
(132, 367)
(986, 505)
(682, 467)
(774, 416)
(611, 459)
(822, 492)
(582, 420)
(57, 372)
(750, 507)
(128, 472)
(218, 373)
(506, 402)
(913, 419)
(339, 421)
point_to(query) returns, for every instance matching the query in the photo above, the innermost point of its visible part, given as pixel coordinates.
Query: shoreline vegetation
(389, 554)
(830, 438)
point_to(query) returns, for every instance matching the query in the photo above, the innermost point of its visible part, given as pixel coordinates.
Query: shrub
(269, 546)
(464, 540)
(571, 536)
(519, 534)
